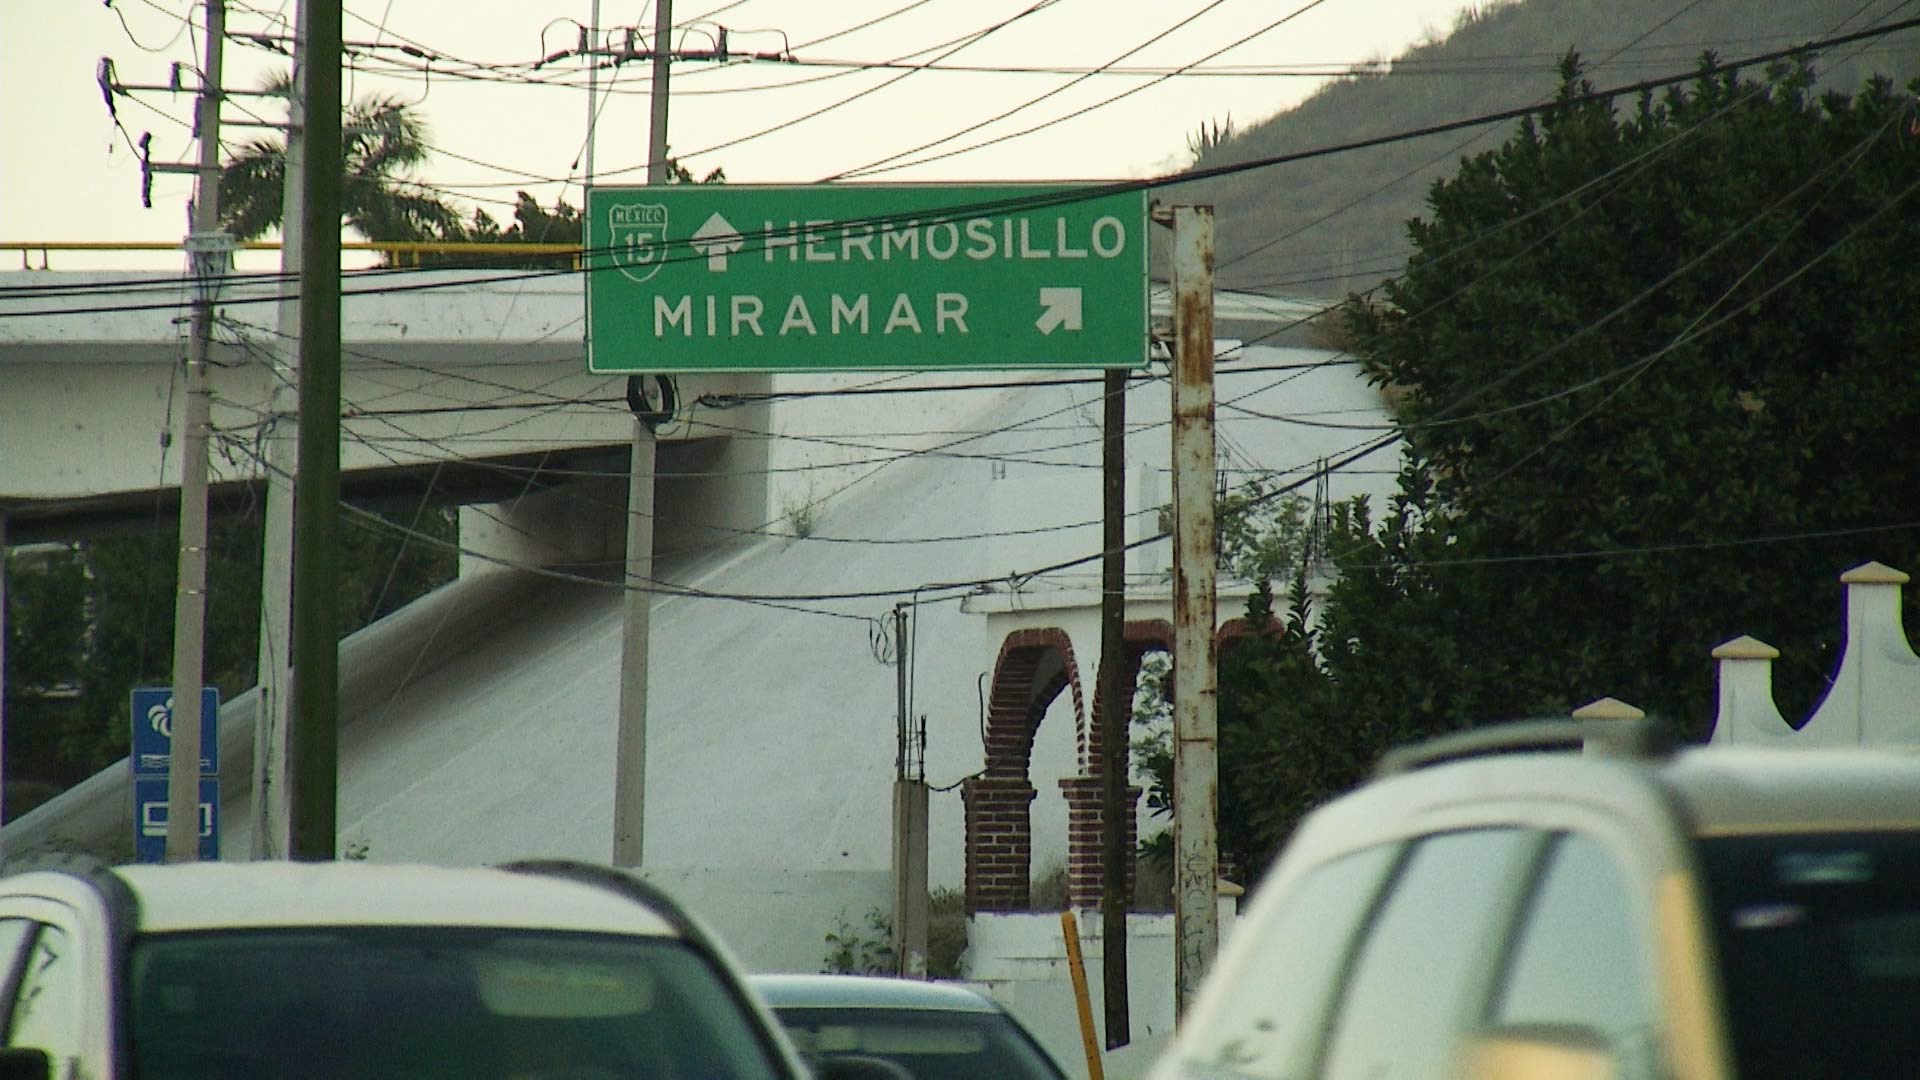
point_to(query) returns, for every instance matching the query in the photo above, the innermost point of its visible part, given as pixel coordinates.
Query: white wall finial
(1872, 699)
(1595, 715)
(1748, 714)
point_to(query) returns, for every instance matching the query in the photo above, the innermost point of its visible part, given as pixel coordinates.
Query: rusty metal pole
(1196, 774)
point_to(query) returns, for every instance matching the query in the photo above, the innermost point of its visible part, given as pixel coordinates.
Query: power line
(1084, 193)
(1029, 103)
(875, 168)
(1610, 59)
(1449, 153)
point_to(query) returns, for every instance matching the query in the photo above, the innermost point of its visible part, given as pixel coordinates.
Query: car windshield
(1820, 945)
(932, 1044)
(424, 1003)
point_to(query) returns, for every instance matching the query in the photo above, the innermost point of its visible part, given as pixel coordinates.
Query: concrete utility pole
(909, 819)
(1196, 775)
(1116, 714)
(630, 754)
(272, 838)
(3, 675)
(313, 745)
(207, 251)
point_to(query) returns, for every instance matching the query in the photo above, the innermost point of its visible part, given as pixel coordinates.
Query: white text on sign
(740, 315)
(979, 239)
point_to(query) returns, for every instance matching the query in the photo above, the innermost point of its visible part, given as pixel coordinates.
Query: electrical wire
(1029, 103)
(1454, 151)
(876, 168)
(972, 39)
(1450, 153)
(1069, 196)
(186, 21)
(1695, 329)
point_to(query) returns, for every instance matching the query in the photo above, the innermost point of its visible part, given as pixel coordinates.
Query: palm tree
(381, 140)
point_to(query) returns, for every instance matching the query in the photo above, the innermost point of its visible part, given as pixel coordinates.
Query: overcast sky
(68, 173)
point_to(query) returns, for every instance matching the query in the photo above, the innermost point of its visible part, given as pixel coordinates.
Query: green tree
(382, 140)
(1635, 347)
(1276, 757)
(534, 224)
(1655, 375)
(89, 622)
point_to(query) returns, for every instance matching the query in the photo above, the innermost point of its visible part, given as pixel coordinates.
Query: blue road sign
(150, 818)
(153, 730)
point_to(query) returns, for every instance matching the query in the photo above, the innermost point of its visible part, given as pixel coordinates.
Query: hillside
(1324, 227)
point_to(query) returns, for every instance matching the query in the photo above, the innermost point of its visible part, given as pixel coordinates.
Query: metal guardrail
(394, 250)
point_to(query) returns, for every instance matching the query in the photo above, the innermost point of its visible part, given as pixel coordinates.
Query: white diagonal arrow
(716, 239)
(1060, 307)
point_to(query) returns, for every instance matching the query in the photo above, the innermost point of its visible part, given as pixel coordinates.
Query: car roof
(1727, 790)
(211, 895)
(1664, 795)
(868, 992)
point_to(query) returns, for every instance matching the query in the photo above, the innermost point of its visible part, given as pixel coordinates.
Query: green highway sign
(830, 277)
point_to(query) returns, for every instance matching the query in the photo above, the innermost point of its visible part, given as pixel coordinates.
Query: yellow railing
(394, 250)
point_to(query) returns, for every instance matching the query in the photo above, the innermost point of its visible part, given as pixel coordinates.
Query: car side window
(1579, 958)
(1421, 975)
(47, 1004)
(1298, 956)
(15, 934)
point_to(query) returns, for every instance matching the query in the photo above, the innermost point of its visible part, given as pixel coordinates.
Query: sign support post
(630, 755)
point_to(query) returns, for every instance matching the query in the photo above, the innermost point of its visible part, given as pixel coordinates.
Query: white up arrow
(716, 239)
(1061, 308)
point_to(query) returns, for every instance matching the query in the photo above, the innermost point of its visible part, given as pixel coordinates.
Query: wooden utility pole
(630, 754)
(207, 252)
(1196, 775)
(313, 750)
(1115, 715)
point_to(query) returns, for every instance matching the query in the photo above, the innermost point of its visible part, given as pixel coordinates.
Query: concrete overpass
(473, 384)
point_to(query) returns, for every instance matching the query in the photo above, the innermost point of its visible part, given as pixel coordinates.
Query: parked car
(302, 971)
(1488, 908)
(932, 1030)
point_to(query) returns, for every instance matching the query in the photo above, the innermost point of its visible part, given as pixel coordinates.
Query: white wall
(1021, 962)
(777, 920)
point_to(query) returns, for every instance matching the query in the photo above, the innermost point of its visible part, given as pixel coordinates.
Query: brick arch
(1018, 701)
(999, 823)
(1086, 816)
(1140, 636)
